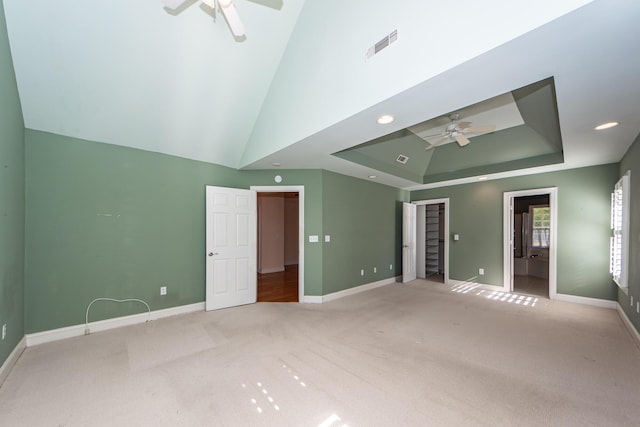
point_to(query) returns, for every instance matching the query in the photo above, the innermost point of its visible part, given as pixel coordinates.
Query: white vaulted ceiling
(131, 73)
(298, 88)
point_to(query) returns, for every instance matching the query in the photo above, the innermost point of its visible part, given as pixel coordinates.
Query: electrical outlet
(163, 290)
(375, 270)
(390, 266)
(4, 331)
(362, 272)
(638, 307)
(631, 303)
(481, 271)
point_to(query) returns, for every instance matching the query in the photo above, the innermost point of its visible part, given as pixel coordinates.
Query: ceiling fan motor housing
(453, 127)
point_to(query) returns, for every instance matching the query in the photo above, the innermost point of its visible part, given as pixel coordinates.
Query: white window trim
(620, 227)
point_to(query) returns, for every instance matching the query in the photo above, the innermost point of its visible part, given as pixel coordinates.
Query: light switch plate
(313, 239)
(456, 237)
(327, 238)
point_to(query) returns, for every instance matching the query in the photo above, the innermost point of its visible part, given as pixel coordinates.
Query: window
(540, 226)
(619, 245)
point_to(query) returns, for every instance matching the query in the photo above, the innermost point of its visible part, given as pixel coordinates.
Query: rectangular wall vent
(386, 41)
(402, 159)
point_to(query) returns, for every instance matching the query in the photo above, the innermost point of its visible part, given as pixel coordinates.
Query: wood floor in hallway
(279, 287)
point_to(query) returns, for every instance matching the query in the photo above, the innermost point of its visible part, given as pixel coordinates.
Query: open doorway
(530, 236)
(280, 250)
(432, 228)
(531, 233)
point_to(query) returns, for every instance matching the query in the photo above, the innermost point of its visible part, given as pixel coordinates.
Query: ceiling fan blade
(173, 4)
(480, 129)
(436, 143)
(464, 125)
(231, 15)
(462, 140)
(435, 134)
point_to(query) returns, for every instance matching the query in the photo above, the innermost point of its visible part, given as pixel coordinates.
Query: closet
(432, 240)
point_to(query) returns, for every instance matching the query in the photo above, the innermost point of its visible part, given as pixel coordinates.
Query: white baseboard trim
(356, 290)
(351, 291)
(635, 335)
(104, 325)
(596, 302)
(12, 359)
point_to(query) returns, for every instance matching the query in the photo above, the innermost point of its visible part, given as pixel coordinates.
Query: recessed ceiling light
(372, 176)
(606, 125)
(385, 119)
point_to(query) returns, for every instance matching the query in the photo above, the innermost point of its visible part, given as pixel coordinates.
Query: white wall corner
(635, 335)
(12, 359)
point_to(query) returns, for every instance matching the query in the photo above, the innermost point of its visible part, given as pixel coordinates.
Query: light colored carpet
(417, 354)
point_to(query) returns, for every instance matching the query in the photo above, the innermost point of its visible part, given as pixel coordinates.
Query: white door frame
(507, 217)
(421, 242)
(300, 190)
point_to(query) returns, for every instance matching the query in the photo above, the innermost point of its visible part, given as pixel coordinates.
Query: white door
(231, 277)
(408, 242)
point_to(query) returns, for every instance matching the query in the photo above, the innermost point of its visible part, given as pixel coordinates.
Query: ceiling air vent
(402, 159)
(386, 41)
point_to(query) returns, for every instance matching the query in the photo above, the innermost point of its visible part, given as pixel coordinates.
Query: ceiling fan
(456, 131)
(227, 8)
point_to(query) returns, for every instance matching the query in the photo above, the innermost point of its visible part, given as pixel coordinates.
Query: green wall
(11, 201)
(364, 221)
(631, 162)
(583, 227)
(110, 221)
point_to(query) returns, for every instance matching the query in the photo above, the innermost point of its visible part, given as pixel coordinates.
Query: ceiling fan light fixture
(607, 125)
(385, 119)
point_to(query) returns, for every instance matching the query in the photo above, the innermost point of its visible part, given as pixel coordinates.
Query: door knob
(212, 253)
